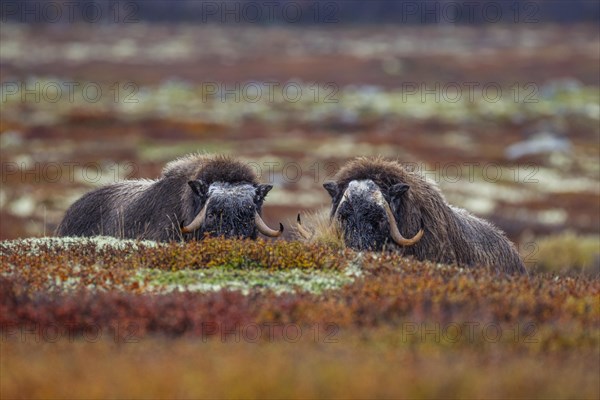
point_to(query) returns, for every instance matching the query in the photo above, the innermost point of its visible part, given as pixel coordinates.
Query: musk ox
(196, 194)
(378, 204)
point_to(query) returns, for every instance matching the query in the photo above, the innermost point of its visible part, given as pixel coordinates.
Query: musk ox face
(231, 210)
(363, 212)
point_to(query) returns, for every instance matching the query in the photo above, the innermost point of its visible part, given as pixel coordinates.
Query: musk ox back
(378, 204)
(195, 195)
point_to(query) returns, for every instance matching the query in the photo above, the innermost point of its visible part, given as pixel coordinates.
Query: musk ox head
(362, 210)
(222, 197)
(229, 210)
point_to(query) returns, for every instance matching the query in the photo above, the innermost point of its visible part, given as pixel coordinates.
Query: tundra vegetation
(92, 317)
(227, 301)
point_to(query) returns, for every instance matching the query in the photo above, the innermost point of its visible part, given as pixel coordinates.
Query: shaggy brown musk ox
(378, 204)
(196, 194)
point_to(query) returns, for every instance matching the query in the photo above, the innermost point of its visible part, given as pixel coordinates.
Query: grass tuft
(567, 252)
(320, 230)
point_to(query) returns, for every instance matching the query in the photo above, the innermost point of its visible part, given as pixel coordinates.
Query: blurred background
(496, 101)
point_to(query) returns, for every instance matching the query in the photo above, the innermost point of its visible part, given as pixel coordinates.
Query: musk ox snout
(363, 211)
(363, 224)
(229, 210)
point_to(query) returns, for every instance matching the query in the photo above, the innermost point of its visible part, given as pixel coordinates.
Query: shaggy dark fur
(452, 235)
(156, 209)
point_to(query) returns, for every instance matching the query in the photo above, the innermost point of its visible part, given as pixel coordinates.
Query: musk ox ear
(398, 190)
(261, 192)
(199, 188)
(332, 188)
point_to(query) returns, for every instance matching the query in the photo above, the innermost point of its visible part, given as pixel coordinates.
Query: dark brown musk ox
(380, 205)
(195, 195)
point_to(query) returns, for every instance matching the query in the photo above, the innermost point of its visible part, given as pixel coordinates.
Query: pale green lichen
(220, 278)
(33, 245)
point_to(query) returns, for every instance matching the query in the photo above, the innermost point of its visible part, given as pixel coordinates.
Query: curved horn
(395, 233)
(344, 198)
(197, 222)
(305, 233)
(264, 229)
